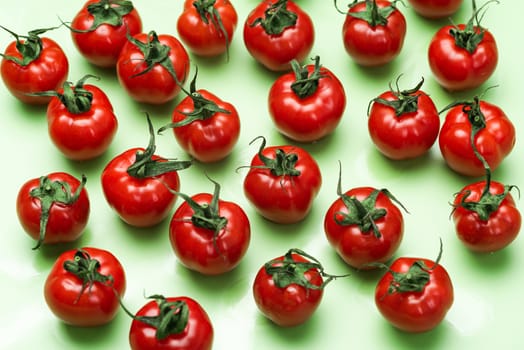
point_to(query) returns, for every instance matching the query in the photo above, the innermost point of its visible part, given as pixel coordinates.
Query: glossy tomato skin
(414, 311)
(435, 9)
(310, 118)
(46, 73)
(211, 139)
(283, 199)
(198, 334)
(455, 68)
(199, 249)
(84, 135)
(157, 86)
(101, 46)
(358, 248)
(275, 52)
(139, 202)
(373, 46)
(404, 136)
(493, 234)
(289, 306)
(66, 223)
(206, 39)
(97, 304)
(494, 142)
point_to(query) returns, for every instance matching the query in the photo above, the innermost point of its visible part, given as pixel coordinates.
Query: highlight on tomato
(170, 323)
(282, 182)
(136, 184)
(33, 64)
(277, 32)
(209, 235)
(415, 294)
(435, 9)
(84, 286)
(206, 27)
(99, 30)
(307, 104)
(53, 208)
(464, 56)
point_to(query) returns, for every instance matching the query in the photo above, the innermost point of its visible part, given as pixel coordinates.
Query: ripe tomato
(135, 184)
(415, 294)
(205, 126)
(53, 208)
(472, 129)
(288, 289)
(308, 103)
(486, 217)
(373, 32)
(84, 286)
(80, 119)
(209, 235)
(33, 64)
(152, 68)
(403, 124)
(434, 9)
(463, 56)
(364, 226)
(206, 27)
(277, 32)
(282, 182)
(174, 323)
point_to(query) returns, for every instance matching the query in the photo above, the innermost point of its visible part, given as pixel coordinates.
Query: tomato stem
(208, 13)
(373, 14)
(276, 18)
(306, 84)
(30, 48)
(406, 102)
(282, 165)
(110, 12)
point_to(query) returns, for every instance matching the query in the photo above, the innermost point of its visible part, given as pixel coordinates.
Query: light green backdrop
(487, 312)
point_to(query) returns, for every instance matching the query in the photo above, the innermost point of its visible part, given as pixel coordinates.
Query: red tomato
(99, 29)
(137, 184)
(463, 56)
(152, 68)
(277, 32)
(477, 123)
(288, 289)
(486, 217)
(282, 182)
(175, 323)
(364, 226)
(81, 121)
(434, 9)
(209, 235)
(373, 32)
(84, 286)
(53, 208)
(403, 124)
(205, 126)
(32, 64)
(415, 294)
(308, 104)
(206, 27)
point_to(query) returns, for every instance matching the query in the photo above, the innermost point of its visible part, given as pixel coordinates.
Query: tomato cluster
(306, 103)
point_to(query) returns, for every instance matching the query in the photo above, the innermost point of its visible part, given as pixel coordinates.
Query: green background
(487, 312)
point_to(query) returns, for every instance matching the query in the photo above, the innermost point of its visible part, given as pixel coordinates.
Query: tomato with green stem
(32, 64)
(84, 286)
(435, 9)
(54, 208)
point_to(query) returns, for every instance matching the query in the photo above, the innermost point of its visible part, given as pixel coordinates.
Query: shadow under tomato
(491, 262)
(94, 336)
(145, 236)
(432, 339)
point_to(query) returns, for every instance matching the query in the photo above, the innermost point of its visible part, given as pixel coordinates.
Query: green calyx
(202, 108)
(306, 84)
(87, 270)
(488, 202)
(373, 14)
(51, 192)
(288, 271)
(109, 12)
(406, 101)
(209, 14)
(284, 164)
(147, 167)
(29, 47)
(276, 18)
(172, 318)
(473, 33)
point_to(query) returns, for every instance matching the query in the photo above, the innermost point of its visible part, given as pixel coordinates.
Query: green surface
(487, 312)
